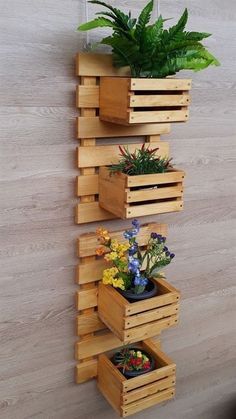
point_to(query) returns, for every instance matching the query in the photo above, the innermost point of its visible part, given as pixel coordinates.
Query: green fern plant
(149, 49)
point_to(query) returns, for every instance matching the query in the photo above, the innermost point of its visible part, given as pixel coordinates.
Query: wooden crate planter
(131, 322)
(127, 101)
(134, 196)
(133, 395)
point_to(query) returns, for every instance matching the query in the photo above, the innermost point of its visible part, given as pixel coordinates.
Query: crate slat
(159, 100)
(158, 116)
(160, 84)
(151, 315)
(148, 402)
(149, 209)
(149, 194)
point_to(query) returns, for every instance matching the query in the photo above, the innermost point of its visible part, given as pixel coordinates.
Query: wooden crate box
(127, 101)
(134, 196)
(129, 396)
(131, 322)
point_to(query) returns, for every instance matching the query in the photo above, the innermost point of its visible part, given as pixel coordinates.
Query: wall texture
(38, 234)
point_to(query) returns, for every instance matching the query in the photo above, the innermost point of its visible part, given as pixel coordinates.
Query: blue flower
(134, 264)
(172, 255)
(144, 281)
(154, 235)
(165, 249)
(167, 253)
(137, 281)
(136, 224)
(163, 239)
(133, 249)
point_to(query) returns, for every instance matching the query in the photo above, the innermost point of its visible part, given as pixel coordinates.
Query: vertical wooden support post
(88, 112)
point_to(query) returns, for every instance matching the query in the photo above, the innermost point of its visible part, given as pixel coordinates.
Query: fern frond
(99, 22)
(143, 20)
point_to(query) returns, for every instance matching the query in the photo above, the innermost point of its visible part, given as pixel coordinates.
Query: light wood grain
(37, 232)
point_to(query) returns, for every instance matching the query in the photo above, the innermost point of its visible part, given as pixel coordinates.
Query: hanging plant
(150, 50)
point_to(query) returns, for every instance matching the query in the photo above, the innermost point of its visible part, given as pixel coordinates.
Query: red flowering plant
(132, 359)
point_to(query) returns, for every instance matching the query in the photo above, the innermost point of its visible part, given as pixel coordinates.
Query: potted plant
(132, 285)
(141, 183)
(133, 362)
(152, 54)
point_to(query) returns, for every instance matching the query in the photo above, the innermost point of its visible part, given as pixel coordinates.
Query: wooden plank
(92, 127)
(88, 64)
(160, 84)
(87, 185)
(145, 117)
(91, 272)
(154, 193)
(88, 243)
(91, 212)
(88, 323)
(149, 209)
(172, 176)
(87, 96)
(150, 377)
(148, 402)
(148, 390)
(159, 100)
(86, 298)
(151, 315)
(96, 345)
(149, 304)
(149, 330)
(109, 154)
(85, 371)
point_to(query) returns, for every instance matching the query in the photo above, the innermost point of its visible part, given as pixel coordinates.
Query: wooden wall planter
(128, 101)
(131, 322)
(133, 395)
(134, 196)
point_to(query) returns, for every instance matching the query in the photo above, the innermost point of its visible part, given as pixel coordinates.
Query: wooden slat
(88, 243)
(151, 194)
(88, 64)
(151, 315)
(87, 96)
(96, 345)
(86, 298)
(87, 185)
(91, 212)
(88, 323)
(91, 272)
(149, 209)
(160, 84)
(93, 127)
(148, 402)
(148, 390)
(160, 178)
(159, 100)
(150, 377)
(109, 154)
(158, 116)
(149, 330)
(86, 370)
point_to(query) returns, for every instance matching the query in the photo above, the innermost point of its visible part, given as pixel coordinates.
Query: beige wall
(38, 233)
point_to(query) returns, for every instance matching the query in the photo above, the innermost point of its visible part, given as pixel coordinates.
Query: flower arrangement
(132, 360)
(142, 162)
(132, 270)
(150, 50)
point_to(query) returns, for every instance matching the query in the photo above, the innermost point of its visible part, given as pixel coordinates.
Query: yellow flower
(103, 234)
(114, 244)
(139, 354)
(118, 283)
(109, 275)
(111, 256)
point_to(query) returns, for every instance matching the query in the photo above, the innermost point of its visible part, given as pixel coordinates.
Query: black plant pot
(132, 374)
(150, 291)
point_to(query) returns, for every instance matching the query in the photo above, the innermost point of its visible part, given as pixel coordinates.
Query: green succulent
(149, 49)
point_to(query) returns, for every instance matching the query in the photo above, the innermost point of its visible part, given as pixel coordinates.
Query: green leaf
(143, 20)
(99, 22)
